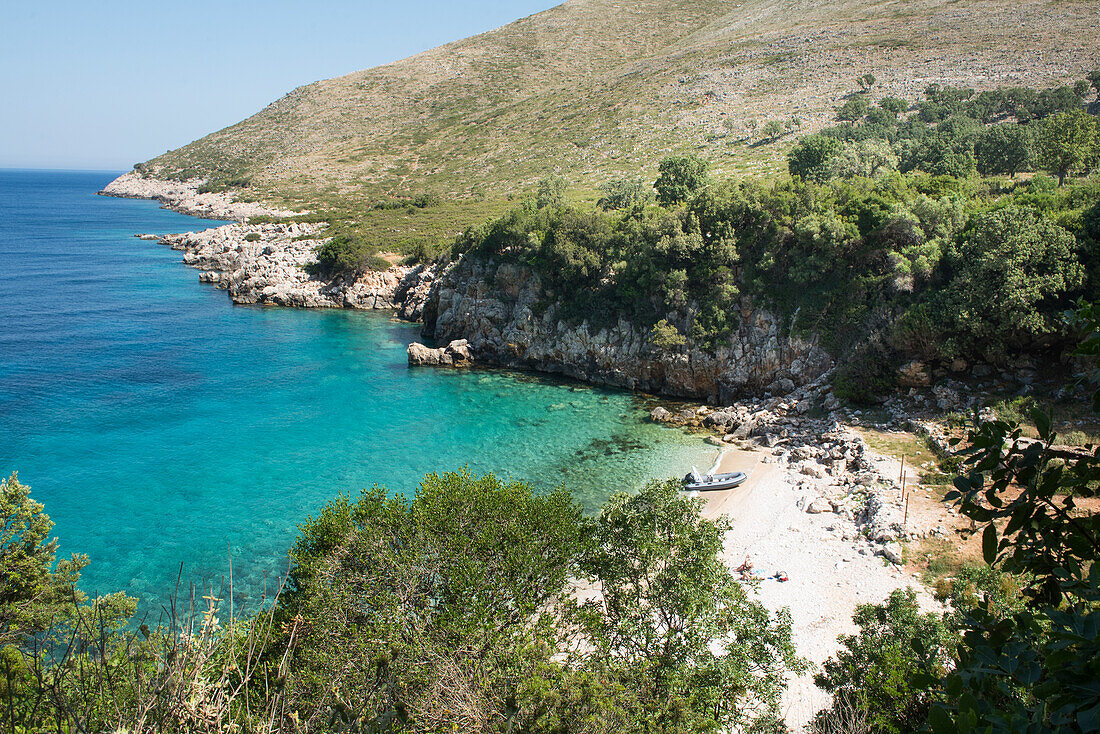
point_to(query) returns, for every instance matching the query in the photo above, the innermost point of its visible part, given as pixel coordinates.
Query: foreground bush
(478, 605)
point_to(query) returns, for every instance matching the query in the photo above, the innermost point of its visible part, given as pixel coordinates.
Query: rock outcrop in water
(501, 310)
(456, 354)
(266, 264)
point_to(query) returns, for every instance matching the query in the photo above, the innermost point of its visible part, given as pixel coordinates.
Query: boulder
(914, 374)
(813, 469)
(819, 506)
(455, 353)
(720, 419)
(893, 553)
(660, 415)
(422, 355)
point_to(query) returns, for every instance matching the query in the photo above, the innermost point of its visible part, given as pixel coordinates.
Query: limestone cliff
(500, 309)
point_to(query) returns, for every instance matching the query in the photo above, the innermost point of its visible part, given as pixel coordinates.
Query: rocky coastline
(502, 312)
(498, 308)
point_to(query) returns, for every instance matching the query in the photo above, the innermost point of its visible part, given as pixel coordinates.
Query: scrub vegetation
(885, 240)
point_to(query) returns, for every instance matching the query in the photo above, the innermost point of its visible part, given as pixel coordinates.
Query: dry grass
(901, 445)
(593, 89)
(937, 558)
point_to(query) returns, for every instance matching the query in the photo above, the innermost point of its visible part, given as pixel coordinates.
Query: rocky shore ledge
(184, 197)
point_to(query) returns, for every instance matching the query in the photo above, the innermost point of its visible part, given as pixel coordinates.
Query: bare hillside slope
(593, 87)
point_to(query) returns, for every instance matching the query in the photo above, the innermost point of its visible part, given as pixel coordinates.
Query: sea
(170, 433)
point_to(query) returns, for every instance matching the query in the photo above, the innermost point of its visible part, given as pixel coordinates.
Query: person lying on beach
(745, 569)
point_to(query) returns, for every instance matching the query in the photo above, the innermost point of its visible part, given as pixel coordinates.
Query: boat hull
(715, 482)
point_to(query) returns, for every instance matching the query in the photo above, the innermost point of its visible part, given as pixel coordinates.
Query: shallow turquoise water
(161, 425)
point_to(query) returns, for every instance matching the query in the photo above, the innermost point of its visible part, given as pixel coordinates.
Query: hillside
(595, 87)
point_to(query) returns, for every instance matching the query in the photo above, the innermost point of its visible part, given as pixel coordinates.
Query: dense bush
(624, 193)
(455, 610)
(346, 254)
(681, 177)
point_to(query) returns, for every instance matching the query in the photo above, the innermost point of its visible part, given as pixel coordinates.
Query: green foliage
(772, 130)
(34, 592)
(346, 255)
(624, 193)
(812, 156)
(455, 610)
(550, 192)
(1067, 142)
(224, 182)
(894, 106)
(1004, 149)
(854, 109)
(866, 81)
(880, 670)
(252, 237)
(1034, 668)
(665, 337)
(1014, 272)
(673, 626)
(681, 177)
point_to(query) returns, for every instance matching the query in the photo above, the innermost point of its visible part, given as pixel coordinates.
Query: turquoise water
(161, 425)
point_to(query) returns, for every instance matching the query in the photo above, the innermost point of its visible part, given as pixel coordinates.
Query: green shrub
(812, 156)
(854, 109)
(346, 255)
(665, 337)
(879, 671)
(252, 237)
(624, 193)
(681, 177)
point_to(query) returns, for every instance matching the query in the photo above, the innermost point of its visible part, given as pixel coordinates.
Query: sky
(105, 85)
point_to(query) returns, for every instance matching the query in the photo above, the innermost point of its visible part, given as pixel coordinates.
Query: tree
(681, 177)
(444, 610)
(894, 105)
(854, 109)
(456, 611)
(866, 81)
(772, 130)
(34, 593)
(550, 192)
(1035, 669)
(665, 337)
(1094, 80)
(673, 624)
(1003, 149)
(878, 671)
(810, 159)
(1013, 271)
(623, 193)
(1066, 141)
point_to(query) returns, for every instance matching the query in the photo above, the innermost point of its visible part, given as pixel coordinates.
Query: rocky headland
(185, 197)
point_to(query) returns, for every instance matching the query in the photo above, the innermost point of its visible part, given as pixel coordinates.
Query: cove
(161, 425)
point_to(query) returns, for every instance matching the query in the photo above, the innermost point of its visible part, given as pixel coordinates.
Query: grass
(590, 90)
(939, 559)
(1075, 424)
(900, 444)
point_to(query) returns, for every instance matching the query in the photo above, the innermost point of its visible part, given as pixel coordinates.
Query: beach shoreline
(830, 565)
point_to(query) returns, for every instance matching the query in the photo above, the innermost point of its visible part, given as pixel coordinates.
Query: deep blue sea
(162, 425)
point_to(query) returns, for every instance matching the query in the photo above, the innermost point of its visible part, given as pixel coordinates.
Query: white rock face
(457, 354)
(499, 308)
(266, 264)
(184, 197)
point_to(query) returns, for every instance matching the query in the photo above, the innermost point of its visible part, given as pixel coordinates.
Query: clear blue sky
(105, 85)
